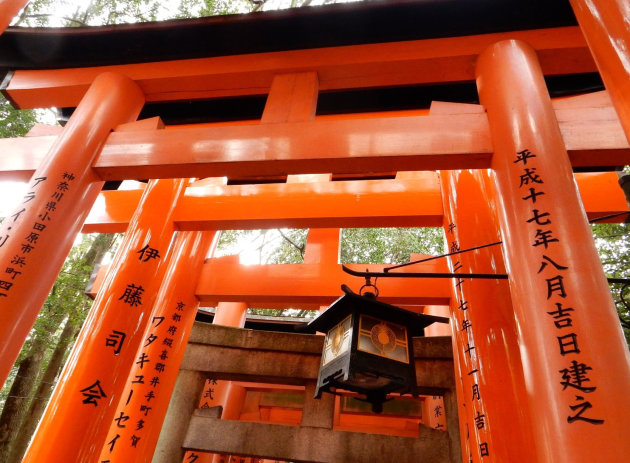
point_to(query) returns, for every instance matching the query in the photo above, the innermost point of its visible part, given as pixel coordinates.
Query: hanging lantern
(368, 347)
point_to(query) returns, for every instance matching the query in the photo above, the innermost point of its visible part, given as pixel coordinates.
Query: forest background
(25, 394)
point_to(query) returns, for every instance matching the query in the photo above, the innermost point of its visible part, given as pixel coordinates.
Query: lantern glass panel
(383, 338)
(338, 340)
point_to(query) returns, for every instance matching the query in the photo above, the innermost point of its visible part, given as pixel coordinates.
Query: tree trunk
(102, 243)
(39, 402)
(17, 402)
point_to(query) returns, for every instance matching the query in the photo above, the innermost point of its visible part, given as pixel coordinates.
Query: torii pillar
(35, 240)
(83, 403)
(605, 27)
(574, 355)
(142, 406)
(8, 10)
(489, 375)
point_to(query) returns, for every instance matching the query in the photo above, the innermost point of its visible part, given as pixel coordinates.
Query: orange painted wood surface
(593, 137)
(564, 312)
(141, 407)
(36, 237)
(367, 203)
(8, 9)
(300, 205)
(82, 405)
(311, 285)
(562, 50)
(605, 27)
(484, 333)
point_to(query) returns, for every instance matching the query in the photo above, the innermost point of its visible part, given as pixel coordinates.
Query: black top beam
(300, 28)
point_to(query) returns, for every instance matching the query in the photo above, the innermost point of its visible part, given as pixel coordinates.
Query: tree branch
(48, 15)
(299, 248)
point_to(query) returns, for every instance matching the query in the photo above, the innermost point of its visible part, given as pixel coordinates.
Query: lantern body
(368, 348)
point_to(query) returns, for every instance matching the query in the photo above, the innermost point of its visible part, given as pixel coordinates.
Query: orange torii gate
(543, 352)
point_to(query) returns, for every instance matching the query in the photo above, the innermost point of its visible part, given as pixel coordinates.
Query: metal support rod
(484, 276)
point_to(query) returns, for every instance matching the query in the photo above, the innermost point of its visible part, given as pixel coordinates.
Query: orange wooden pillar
(36, 238)
(80, 410)
(231, 314)
(574, 356)
(8, 10)
(141, 408)
(484, 330)
(605, 27)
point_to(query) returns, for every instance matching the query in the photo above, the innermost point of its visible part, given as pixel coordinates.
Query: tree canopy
(75, 13)
(14, 122)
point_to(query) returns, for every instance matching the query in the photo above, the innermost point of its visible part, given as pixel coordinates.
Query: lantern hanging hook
(365, 289)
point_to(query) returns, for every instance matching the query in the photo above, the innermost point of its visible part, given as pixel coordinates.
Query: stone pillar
(222, 393)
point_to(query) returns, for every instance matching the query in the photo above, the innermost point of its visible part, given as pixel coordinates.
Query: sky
(10, 194)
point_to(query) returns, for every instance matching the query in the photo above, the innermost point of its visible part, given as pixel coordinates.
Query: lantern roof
(351, 303)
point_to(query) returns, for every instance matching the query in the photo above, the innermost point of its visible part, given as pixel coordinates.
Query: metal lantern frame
(368, 347)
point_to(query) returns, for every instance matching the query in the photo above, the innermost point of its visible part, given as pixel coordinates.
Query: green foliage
(69, 13)
(75, 13)
(277, 246)
(42, 13)
(613, 244)
(294, 313)
(14, 122)
(67, 297)
(358, 245)
(205, 8)
(388, 245)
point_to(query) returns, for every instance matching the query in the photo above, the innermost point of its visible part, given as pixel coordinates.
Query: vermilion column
(485, 337)
(141, 408)
(231, 314)
(574, 356)
(8, 10)
(83, 403)
(36, 238)
(605, 24)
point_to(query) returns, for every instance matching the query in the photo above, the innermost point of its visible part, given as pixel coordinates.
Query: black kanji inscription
(568, 344)
(575, 376)
(147, 253)
(93, 393)
(580, 408)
